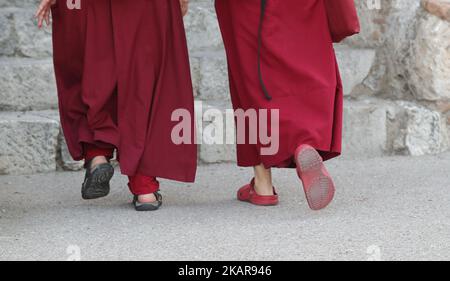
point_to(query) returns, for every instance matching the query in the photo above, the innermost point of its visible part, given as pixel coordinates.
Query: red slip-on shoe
(248, 194)
(317, 183)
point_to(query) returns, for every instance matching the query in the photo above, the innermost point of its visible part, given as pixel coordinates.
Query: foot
(248, 193)
(97, 161)
(145, 203)
(98, 175)
(317, 183)
(147, 198)
(263, 188)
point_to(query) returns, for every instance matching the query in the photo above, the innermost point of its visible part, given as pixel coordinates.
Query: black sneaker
(96, 181)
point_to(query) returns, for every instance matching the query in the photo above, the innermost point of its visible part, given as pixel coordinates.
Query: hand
(43, 12)
(184, 7)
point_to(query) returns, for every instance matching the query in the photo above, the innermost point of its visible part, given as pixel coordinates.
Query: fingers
(41, 18)
(43, 13)
(40, 21)
(47, 17)
(42, 7)
(39, 9)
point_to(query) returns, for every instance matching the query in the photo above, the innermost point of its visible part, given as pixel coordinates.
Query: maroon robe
(122, 68)
(298, 68)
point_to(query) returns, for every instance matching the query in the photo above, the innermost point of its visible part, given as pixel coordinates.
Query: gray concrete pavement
(386, 208)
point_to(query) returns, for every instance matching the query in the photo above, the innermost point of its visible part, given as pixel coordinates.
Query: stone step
(416, 130)
(374, 128)
(210, 75)
(19, 3)
(202, 27)
(354, 65)
(211, 119)
(209, 70)
(27, 84)
(19, 35)
(365, 130)
(29, 143)
(64, 160)
(32, 141)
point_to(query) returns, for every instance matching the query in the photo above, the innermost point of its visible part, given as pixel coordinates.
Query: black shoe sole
(97, 184)
(148, 207)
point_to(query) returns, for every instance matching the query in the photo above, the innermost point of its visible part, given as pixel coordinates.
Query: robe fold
(297, 67)
(122, 68)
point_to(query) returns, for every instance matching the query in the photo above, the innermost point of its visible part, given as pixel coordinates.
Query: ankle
(147, 198)
(98, 160)
(263, 187)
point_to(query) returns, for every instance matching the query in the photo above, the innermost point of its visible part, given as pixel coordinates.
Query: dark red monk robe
(122, 68)
(299, 70)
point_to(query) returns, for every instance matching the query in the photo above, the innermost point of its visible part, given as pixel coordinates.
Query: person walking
(281, 58)
(122, 69)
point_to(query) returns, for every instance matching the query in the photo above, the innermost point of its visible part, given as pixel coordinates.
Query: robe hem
(186, 179)
(286, 161)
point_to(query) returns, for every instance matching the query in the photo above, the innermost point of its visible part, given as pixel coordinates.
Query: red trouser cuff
(91, 151)
(141, 185)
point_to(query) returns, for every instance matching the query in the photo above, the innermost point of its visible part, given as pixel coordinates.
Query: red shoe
(248, 194)
(317, 183)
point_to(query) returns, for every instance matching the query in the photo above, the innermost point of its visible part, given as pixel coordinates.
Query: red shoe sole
(263, 202)
(248, 194)
(317, 183)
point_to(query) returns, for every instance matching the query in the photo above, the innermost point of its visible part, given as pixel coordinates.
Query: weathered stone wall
(396, 77)
(410, 73)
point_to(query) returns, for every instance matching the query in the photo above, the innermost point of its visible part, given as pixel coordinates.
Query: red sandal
(317, 183)
(248, 194)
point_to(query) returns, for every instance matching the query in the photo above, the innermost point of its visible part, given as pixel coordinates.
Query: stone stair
(27, 84)
(29, 128)
(31, 140)
(29, 143)
(30, 134)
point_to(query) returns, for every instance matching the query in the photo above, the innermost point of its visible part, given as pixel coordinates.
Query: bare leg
(263, 181)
